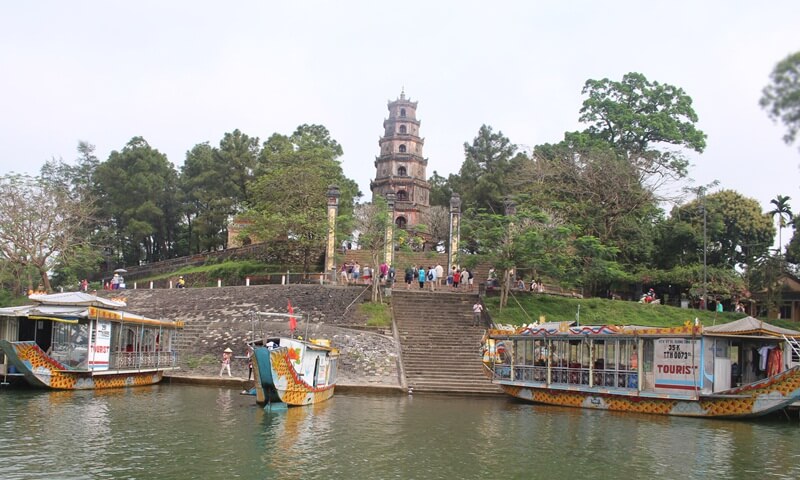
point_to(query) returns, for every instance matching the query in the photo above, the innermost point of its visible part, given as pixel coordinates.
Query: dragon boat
(77, 341)
(291, 371)
(746, 368)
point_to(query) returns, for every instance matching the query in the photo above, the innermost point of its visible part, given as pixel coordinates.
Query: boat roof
(749, 326)
(76, 299)
(745, 327)
(72, 306)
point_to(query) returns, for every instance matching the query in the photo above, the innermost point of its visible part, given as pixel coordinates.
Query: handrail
(794, 345)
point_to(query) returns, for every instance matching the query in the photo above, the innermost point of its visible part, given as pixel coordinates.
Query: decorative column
(333, 209)
(455, 231)
(389, 246)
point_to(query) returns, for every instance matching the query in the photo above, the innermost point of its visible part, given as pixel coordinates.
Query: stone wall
(218, 318)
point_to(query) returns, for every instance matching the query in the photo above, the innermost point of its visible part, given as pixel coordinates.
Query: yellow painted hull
(752, 400)
(40, 370)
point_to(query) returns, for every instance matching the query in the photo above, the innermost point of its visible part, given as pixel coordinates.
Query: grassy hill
(527, 308)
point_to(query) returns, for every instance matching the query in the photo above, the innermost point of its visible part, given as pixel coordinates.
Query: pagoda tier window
(402, 171)
(403, 129)
(402, 112)
(402, 149)
(400, 222)
(402, 196)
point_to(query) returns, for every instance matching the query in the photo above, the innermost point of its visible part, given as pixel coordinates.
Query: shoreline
(240, 383)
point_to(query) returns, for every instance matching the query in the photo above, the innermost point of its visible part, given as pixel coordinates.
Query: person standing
(226, 362)
(432, 278)
(456, 277)
(84, 285)
(477, 313)
(421, 277)
(409, 276)
(439, 274)
(249, 362)
(115, 282)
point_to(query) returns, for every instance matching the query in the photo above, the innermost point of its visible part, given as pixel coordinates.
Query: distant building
(400, 167)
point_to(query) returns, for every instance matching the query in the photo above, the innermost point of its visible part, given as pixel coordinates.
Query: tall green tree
(209, 198)
(481, 181)
(525, 238)
(237, 156)
(289, 193)
(644, 120)
(737, 232)
(784, 213)
(781, 98)
(138, 190)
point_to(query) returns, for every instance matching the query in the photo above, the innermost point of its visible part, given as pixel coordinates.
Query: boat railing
(136, 360)
(569, 375)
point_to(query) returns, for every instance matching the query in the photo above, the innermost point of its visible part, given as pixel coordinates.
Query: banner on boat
(676, 365)
(100, 347)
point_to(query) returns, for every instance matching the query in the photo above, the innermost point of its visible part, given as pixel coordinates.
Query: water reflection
(178, 432)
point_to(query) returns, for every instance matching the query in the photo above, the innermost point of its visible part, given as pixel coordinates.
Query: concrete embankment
(220, 318)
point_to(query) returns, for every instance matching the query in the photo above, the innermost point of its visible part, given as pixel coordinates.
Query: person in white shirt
(477, 313)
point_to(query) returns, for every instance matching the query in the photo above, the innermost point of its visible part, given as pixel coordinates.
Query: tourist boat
(293, 371)
(745, 368)
(77, 341)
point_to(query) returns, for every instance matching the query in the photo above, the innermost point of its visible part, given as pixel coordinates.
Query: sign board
(676, 365)
(100, 349)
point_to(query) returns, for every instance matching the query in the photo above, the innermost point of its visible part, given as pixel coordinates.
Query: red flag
(292, 320)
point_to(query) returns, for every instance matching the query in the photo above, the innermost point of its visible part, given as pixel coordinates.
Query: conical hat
(228, 350)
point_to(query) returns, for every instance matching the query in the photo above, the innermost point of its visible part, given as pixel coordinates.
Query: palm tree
(784, 213)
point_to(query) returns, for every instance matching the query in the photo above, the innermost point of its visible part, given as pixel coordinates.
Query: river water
(181, 432)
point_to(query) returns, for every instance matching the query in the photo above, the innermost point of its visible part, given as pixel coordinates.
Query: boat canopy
(749, 326)
(76, 299)
(70, 307)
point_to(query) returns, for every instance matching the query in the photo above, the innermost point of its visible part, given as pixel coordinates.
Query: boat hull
(41, 371)
(278, 381)
(752, 400)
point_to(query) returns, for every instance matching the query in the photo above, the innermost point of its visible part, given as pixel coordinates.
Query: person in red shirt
(456, 277)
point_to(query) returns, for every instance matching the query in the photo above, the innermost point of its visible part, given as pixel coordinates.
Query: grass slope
(529, 308)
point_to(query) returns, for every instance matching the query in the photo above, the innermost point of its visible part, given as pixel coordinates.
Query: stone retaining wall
(218, 318)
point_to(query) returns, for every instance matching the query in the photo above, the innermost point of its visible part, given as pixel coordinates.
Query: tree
(641, 119)
(138, 193)
(781, 98)
(737, 232)
(784, 213)
(236, 156)
(372, 220)
(207, 197)
(440, 191)
(39, 223)
(437, 224)
(481, 182)
(526, 238)
(595, 188)
(288, 199)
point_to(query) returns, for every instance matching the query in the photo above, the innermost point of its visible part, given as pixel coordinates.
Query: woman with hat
(226, 361)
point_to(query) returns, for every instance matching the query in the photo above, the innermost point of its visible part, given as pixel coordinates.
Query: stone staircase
(439, 345)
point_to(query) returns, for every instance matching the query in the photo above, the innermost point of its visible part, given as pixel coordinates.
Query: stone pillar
(389, 245)
(455, 232)
(330, 248)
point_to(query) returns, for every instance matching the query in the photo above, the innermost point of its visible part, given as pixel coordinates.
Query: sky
(180, 73)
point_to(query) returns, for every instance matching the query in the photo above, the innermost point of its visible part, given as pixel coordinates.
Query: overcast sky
(180, 73)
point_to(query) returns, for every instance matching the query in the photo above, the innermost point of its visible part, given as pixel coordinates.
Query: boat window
(70, 344)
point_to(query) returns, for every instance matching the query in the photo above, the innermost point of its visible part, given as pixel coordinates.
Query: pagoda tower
(400, 167)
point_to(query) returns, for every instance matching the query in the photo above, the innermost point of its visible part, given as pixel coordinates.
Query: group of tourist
(354, 273)
(434, 276)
